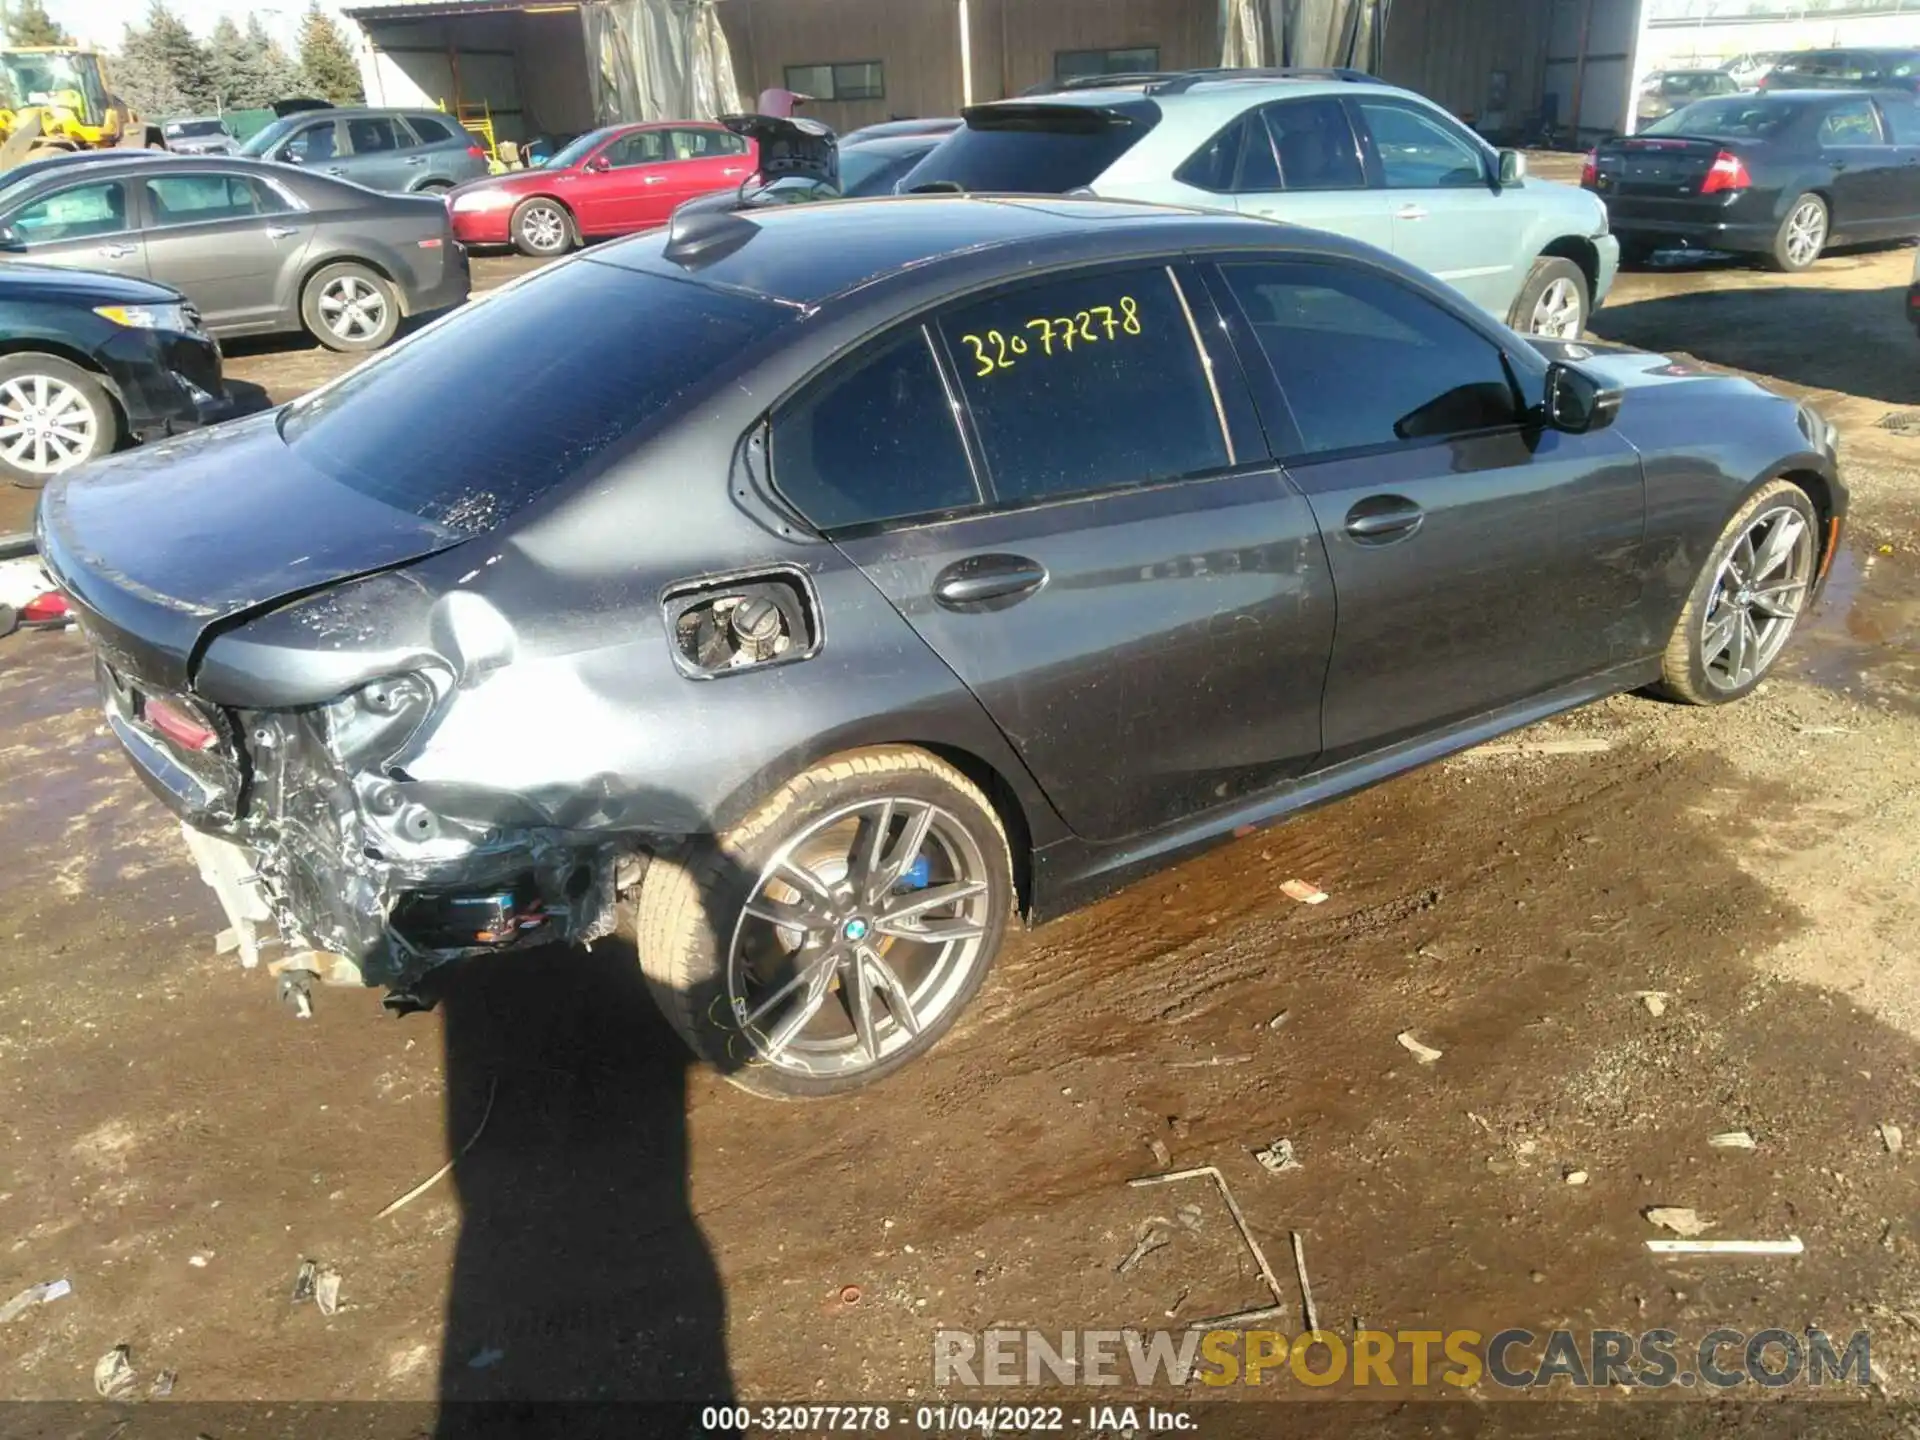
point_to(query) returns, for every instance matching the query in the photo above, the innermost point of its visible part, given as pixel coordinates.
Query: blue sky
(101, 21)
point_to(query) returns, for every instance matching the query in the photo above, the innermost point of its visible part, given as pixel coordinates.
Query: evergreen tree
(234, 65)
(280, 77)
(331, 71)
(27, 23)
(144, 82)
(164, 70)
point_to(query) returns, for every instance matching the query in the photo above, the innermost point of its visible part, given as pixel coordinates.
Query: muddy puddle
(1862, 639)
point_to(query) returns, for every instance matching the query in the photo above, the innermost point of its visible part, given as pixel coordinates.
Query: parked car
(417, 151)
(845, 579)
(1665, 91)
(199, 135)
(612, 181)
(1345, 154)
(1777, 173)
(806, 164)
(1893, 68)
(1749, 70)
(896, 129)
(92, 361)
(874, 167)
(259, 249)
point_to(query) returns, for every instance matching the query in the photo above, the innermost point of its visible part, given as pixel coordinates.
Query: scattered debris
(113, 1375)
(1305, 892)
(1900, 422)
(849, 1294)
(1153, 1235)
(303, 1282)
(1821, 730)
(1244, 1317)
(1654, 1000)
(1891, 1138)
(1680, 1219)
(1732, 1140)
(1277, 1021)
(1161, 1155)
(1789, 1246)
(198, 1262)
(1209, 1062)
(163, 1384)
(1481, 1121)
(326, 1291)
(1278, 1157)
(1189, 1216)
(1577, 745)
(1306, 1290)
(1575, 1177)
(493, 1088)
(486, 1359)
(42, 1294)
(1886, 1234)
(1425, 1054)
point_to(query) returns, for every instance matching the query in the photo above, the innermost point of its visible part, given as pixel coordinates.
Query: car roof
(807, 255)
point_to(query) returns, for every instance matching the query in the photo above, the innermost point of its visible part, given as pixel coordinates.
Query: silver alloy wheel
(1757, 596)
(352, 307)
(1559, 313)
(46, 425)
(1806, 232)
(847, 909)
(544, 228)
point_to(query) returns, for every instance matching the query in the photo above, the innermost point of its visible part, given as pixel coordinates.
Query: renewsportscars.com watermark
(1720, 1360)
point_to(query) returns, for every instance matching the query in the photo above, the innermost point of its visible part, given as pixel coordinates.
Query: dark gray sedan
(259, 249)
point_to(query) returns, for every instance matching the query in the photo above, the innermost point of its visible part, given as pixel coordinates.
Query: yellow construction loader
(55, 98)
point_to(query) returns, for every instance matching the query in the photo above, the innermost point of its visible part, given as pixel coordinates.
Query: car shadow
(248, 398)
(1857, 342)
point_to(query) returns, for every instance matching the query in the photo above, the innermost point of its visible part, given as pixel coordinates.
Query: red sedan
(610, 182)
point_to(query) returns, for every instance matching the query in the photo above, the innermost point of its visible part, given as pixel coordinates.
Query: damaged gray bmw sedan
(815, 590)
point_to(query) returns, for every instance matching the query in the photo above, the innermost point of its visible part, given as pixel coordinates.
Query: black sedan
(261, 249)
(1781, 174)
(95, 360)
(847, 579)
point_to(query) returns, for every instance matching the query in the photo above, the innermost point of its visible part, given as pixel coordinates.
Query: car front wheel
(53, 416)
(1554, 302)
(1747, 599)
(542, 227)
(837, 933)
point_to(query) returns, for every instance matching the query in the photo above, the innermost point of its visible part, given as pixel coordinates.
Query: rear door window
(874, 440)
(193, 199)
(598, 354)
(1086, 383)
(371, 134)
(1851, 123)
(1366, 362)
(1316, 145)
(1419, 150)
(1034, 149)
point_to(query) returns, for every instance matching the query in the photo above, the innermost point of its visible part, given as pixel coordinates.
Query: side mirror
(10, 239)
(1576, 402)
(287, 155)
(599, 162)
(1513, 167)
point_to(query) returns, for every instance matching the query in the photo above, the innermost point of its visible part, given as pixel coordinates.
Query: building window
(849, 80)
(1077, 64)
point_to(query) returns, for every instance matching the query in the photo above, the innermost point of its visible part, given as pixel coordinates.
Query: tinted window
(1903, 120)
(874, 440)
(1239, 160)
(642, 147)
(187, 199)
(1853, 123)
(192, 129)
(1033, 149)
(313, 144)
(1315, 144)
(596, 353)
(702, 144)
(72, 214)
(853, 80)
(1365, 362)
(874, 169)
(373, 133)
(1088, 383)
(1745, 117)
(1419, 150)
(430, 129)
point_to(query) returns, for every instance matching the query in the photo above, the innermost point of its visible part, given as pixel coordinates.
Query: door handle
(416, 160)
(652, 179)
(733, 170)
(336, 169)
(979, 580)
(281, 232)
(115, 252)
(1410, 212)
(1382, 518)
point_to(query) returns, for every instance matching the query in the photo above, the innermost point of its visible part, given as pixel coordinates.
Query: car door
(223, 238)
(1299, 161)
(1109, 559)
(1901, 116)
(1449, 217)
(620, 186)
(1866, 169)
(91, 226)
(704, 158)
(1479, 559)
(378, 153)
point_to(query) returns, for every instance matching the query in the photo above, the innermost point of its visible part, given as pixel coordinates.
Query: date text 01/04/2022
(995, 351)
(961, 1419)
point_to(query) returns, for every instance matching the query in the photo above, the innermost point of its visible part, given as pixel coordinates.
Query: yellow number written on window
(994, 351)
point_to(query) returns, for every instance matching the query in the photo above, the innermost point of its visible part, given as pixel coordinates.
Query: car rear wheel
(350, 307)
(1747, 599)
(1802, 235)
(1554, 302)
(53, 416)
(838, 932)
(542, 227)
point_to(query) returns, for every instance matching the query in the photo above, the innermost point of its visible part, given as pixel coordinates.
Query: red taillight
(48, 609)
(1726, 173)
(178, 726)
(1590, 170)
(433, 243)
(476, 152)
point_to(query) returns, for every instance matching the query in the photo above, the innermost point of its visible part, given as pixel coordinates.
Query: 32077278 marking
(996, 350)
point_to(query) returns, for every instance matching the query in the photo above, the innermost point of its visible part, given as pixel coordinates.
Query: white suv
(1331, 149)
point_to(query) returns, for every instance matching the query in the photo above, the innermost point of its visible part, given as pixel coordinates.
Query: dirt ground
(175, 1144)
